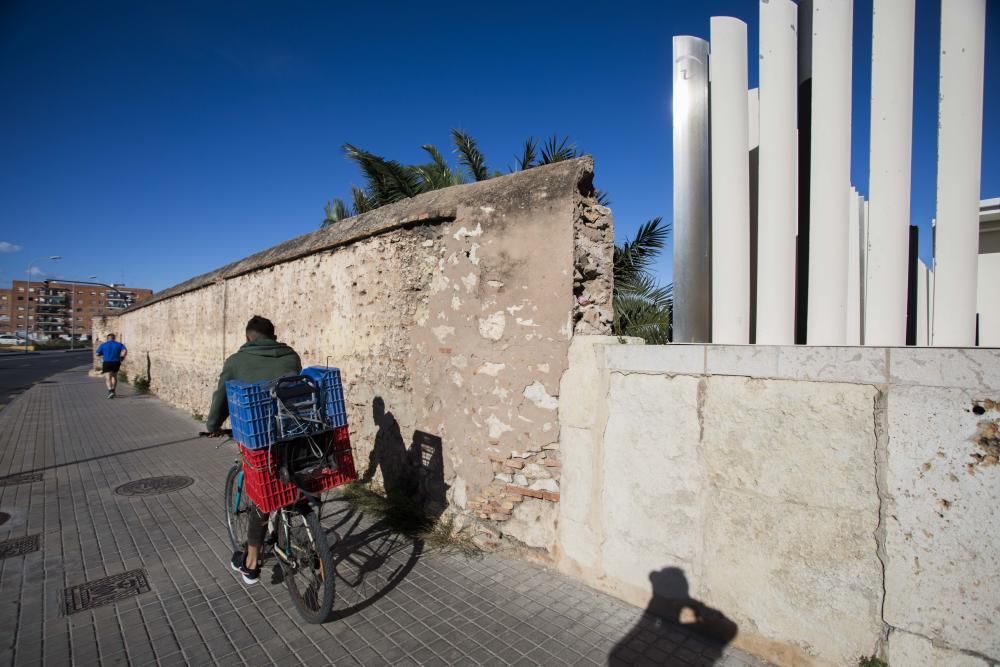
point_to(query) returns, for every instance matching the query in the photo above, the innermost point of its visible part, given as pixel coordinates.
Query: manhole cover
(24, 478)
(152, 486)
(104, 591)
(18, 546)
(4, 517)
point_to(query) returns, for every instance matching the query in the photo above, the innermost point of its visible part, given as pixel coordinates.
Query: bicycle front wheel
(238, 507)
(308, 564)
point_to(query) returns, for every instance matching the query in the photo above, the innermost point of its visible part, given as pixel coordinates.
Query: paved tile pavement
(396, 604)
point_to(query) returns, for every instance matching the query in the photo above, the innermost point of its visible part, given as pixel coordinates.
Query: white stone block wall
(832, 502)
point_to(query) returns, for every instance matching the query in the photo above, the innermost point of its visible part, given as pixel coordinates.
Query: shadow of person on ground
(370, 558)
(411, 475)
(674, 618)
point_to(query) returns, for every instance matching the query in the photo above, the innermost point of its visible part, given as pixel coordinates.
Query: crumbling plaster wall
(455, 308)
(831, 502)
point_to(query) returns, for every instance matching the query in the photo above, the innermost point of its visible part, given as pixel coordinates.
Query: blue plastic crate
(332, 391)
(251, 413)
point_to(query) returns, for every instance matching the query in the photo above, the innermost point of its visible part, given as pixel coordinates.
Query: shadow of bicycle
(369, 558)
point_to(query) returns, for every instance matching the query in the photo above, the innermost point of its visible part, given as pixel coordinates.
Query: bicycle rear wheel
(308, 564)
(238, 507)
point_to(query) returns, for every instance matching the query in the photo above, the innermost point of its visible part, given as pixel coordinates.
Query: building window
(20, 298)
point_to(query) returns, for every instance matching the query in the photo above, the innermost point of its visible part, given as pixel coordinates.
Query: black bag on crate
(303, 447)
(298, 407)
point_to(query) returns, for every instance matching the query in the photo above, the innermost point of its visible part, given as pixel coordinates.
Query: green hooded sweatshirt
(257, 361)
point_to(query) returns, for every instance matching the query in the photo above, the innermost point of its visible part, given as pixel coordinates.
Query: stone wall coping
(428, 208)
(973, 368)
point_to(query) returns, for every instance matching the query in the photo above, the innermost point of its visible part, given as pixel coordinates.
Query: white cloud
(6, 246)
(35, 271)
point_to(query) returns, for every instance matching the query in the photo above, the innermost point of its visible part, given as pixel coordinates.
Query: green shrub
(123, 377)
(872, 661)
(141, 384)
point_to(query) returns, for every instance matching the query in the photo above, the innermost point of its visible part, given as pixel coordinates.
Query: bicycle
(294, 534)
(296, 538)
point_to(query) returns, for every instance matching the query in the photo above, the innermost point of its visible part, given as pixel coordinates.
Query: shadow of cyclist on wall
(390, 455)
(411, 475)
(674, 617)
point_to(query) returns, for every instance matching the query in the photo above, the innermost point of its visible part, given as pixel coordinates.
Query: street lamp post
(27, 312)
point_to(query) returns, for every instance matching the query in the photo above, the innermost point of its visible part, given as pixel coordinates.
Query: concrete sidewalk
(65, 448)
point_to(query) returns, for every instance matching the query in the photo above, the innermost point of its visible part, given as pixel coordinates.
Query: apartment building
(50, 308)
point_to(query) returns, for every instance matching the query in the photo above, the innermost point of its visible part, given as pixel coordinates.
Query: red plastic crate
(269, 493)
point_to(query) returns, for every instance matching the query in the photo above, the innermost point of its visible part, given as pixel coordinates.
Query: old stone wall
(450, 316)
(822, 503)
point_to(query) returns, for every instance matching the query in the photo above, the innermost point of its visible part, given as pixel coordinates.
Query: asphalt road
(19, 372)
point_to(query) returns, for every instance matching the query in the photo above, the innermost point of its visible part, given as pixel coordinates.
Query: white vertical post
(923, 311)
(863, 217)
(853, 269)
(777, 174)
(727, 76)
(830, 171)
(692, 200)
(889, 175)
(960, 145)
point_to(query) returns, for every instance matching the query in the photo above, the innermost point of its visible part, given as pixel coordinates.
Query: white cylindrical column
(777, 174)
(727, 76)
(692, 200)
(853, 268)
(889, 174)
(923, 309)
(960, 145)
(829, 171)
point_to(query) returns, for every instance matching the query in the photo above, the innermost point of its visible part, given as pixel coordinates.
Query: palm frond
(436, 174)
(556, 150)
(643, 309)
(336, 211)
(634, 257)
(529, 154)
(360, 201)
(602, 197)
(469, 155)
(436, 156)
(388, 180)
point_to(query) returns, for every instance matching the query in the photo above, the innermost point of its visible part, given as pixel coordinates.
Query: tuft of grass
(872, 661)
(197, 416)
(404, 516)
(123, 377)
(141, 384)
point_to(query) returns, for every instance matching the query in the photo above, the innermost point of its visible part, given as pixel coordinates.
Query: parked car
(10, 340)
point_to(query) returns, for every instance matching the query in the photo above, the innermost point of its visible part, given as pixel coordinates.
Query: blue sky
(154, 141)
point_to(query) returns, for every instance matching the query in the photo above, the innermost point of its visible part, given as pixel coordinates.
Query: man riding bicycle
(261, 358)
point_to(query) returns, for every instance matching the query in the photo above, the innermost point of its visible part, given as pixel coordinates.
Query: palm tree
(642, 307)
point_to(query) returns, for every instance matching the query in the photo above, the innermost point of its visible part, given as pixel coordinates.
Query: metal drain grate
(4, 518)
(152, 486)
(23, 478)
(18, 546)
(105, 591)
